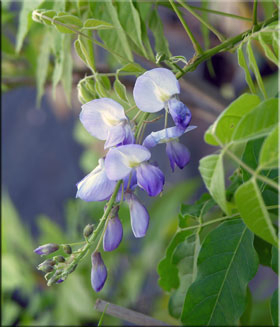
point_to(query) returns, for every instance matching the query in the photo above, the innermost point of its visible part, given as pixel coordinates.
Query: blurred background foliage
(38, 55)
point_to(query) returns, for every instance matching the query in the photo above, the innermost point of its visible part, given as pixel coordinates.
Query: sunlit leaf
(224, 126)
(96, 24)
(252, 209)
(242, 63)
(212, 172)
(269, 152)
(67, 23)
(258, 122)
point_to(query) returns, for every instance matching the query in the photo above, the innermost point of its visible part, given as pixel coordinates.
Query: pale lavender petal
(98, 272)
(116, 135)
(129, 135)
(165, 135)
(96, 186)
(139, 216)
(178, 154)
(121, 160)
(150, 178)
(154, 88)
(99, 115)
(113, 234)
(180, 113)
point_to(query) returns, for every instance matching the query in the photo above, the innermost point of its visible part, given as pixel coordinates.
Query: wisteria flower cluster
(126, 163)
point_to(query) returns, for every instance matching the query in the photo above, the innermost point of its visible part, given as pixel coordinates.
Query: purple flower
(180, 113)
(113, 234)
(95, 186)
(139, 216)
(46, 249)
(123, 160)
(165, 135)
(150, 178)
(154, 88)
(98, 272)
(178, 154)
(105, 119)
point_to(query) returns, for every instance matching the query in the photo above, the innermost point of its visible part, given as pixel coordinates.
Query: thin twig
(137, 318)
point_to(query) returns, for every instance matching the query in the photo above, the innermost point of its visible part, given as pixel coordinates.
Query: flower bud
(72, 268)
(88, 230)
(59, 258)
(67, 249)
(45, 267)
(113, 234)
(49, 275)
(46, 249)
(98, 272)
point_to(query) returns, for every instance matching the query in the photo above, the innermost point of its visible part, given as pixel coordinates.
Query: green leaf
(96, 24)
(79, 51)
(274, 259)
(87, 49)
(212, 171)
(156, 26)
(274, 308)
(99, 89)
(185, 258)
(120, 90)
(253, 211)
(242, 63)
(268, 52)
(58, 49)
(269, 152)
(71, 24)
(115, 39)
(42, 66)
(224, 126)
(258, 122)
(251, 156)
(66, 78)
(218, 295)
(254, 67)
(131, 68)
(132, 26)
(50, 14)
(168, 273)
(245, 319)
(25, 20)
(263, 249)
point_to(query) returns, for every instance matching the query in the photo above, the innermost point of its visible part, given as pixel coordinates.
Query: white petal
(121, 160)
(99, 115)
(154, 88)
(95, 186)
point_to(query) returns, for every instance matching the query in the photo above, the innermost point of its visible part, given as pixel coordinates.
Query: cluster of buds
(127, 159)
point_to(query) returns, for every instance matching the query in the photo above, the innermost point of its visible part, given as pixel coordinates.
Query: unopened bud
(59, 258)
(88, 230)
(46, 266)
(67, 249)
(113, 234)
(98, 272)
(48, 275)
(46, 249)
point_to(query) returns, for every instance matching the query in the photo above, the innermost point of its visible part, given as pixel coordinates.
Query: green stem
(250, 170)
(255, 13)
(52, 20)
(139, 126)
(210, 222)
(228, 44)
(198, 17)
(196, 45)
(221, 13)
(93, 236)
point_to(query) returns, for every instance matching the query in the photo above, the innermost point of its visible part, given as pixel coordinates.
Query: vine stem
(210, 222)
(251, 171)
(255, 13)
(198, 17)
(196, 45)
(228, 44)
(93, 236)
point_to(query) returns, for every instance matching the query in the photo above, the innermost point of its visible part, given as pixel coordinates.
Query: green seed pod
(67, 249)
(88, 230)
